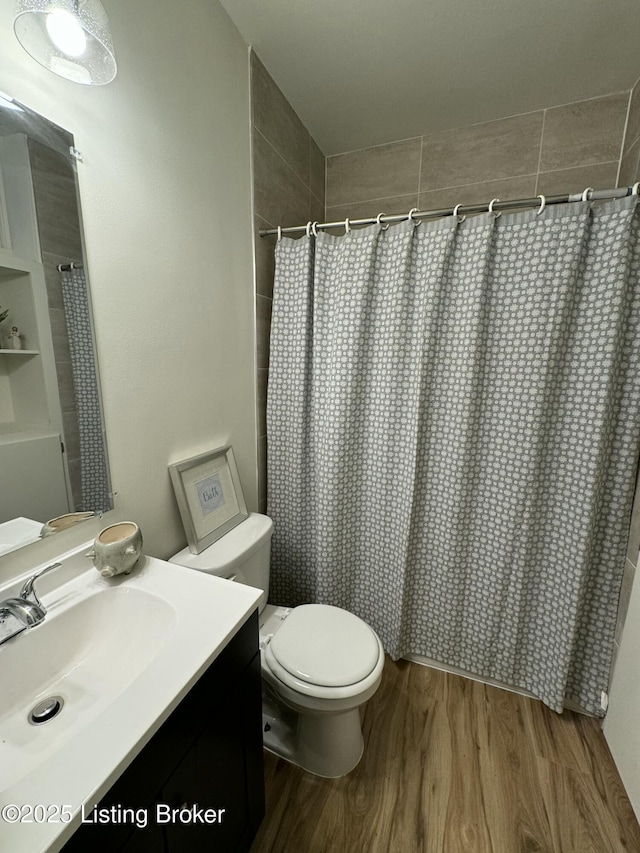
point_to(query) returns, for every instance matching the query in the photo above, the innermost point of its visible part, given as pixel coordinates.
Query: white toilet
(319, 663)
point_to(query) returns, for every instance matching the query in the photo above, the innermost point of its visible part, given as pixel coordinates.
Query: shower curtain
(93, 467)
(453, 425)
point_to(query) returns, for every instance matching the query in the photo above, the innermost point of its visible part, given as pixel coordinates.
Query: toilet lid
(325, 645)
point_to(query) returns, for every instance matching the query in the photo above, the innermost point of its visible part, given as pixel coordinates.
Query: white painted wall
(622, 723)
(166, 199)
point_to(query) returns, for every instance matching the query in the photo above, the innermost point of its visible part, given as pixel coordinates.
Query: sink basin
(121, 652)
(88, 653)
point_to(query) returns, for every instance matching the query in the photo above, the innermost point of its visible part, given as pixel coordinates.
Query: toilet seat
(324, 651)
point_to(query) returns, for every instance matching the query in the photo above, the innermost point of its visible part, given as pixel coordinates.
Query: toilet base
(330, 745)
(327, 745)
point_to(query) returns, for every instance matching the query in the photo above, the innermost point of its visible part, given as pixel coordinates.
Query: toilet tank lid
(236, 545)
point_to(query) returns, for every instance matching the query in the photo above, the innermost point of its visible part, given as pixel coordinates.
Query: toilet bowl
(319, 663)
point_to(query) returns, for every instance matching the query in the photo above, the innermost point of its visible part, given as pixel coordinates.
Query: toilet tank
(242, 554)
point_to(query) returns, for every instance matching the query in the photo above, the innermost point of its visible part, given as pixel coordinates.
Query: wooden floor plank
(455, 766)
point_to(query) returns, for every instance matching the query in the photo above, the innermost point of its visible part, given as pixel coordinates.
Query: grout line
(291, 169)
(440, 189)
(259, 216)
(377, 145)
(544, 118)
(474, 184)
(579, 166)
(420, 169)
(367, 200)
(317, 198)
(458, 128)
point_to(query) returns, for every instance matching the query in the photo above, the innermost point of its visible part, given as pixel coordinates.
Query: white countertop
(103, 742)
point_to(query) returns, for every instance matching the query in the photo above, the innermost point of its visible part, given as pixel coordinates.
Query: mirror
(53, 455)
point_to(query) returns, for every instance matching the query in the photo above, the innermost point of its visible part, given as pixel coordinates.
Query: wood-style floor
(455, 766)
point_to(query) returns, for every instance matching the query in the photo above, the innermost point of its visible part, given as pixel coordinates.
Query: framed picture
(209, 496)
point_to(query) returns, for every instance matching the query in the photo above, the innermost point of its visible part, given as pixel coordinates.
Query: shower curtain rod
(589, 194)
(69, 267)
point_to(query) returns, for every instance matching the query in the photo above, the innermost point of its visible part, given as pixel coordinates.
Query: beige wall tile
(279, 195)
(584, 133)
(71, 435)
(600, 176)
(316, 170)
(52, 278)
(373, 173)
(629, 166)
(508, 188)
(368, 209)
(54, 186)
(75, 475)
(633, 123)
(265, 260)
(483, 152)
(66, 387)
(277, 121)
(60, 334)
(263, 330)
(316, 209)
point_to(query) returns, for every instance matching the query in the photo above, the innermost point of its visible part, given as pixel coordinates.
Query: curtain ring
(585, 194)
(378, 220)
(411, 219)
(491, 210)
(314, 228)
(279, 233)
(543, 204)
(459, 219)
(635, 189)
(309, 228)
(347, 227)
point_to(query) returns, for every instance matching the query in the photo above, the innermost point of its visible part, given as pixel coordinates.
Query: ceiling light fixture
(69, 37)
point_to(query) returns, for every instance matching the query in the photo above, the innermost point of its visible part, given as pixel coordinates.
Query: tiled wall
(60, 243)
(553, 151)
(288, 189)
(630, 163)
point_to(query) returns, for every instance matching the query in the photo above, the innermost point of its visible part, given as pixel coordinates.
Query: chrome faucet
(17, 614)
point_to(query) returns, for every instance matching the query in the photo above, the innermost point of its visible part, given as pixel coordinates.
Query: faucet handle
(28, 591)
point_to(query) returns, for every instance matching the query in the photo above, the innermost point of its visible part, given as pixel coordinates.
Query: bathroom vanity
(160, 729)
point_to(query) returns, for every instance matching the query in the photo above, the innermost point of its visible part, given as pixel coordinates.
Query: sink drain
(46, 710)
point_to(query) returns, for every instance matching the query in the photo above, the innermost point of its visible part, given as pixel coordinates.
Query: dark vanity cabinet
(198, 784)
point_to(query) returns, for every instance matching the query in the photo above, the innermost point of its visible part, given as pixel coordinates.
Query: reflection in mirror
(53, 460)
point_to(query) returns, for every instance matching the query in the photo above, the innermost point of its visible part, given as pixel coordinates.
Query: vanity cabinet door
(213, 775)
(207, 754)
(150, 840)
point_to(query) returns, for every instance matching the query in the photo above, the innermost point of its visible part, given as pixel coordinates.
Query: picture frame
(209, 496)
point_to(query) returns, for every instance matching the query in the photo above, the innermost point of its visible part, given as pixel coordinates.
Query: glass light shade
(69, 37)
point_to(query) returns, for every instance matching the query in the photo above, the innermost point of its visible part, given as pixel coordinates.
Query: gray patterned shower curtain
(453, 424)
(93, 467)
